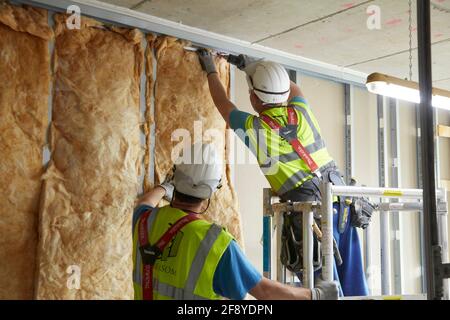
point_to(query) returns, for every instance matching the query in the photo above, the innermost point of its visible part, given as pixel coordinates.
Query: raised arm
(218, 92)
(219, 96)
(154, 196)
(295, 91)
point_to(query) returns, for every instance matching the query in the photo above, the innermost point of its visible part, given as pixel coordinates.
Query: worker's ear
(254, 99)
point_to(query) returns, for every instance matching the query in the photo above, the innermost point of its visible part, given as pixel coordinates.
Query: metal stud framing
(395, 183)
(384, 216)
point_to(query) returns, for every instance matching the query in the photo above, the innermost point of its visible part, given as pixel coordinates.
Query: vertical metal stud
(420, 186)
(395, 183)
(348, 133)
(384, 217)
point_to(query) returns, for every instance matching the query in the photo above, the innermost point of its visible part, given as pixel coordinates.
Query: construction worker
(286, 140)
(179, 255)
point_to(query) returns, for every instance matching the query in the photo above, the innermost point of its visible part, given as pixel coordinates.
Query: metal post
(384, 231)
(308, 248)
(420, 186)
(433, 250)
(385, 267)
(280, 268)
(327, 232)
(442, 211)
(267, 233)
(267, 245)
(395, 182)
(381, 142)
(368, 257)
(348, 133)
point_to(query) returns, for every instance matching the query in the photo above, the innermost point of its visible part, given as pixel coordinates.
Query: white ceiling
(332, 31)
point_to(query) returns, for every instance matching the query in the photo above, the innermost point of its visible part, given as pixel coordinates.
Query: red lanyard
(295, 143)
(158, 248)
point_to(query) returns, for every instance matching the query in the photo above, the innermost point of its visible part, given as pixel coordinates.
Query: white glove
(325, 291)
(168, 186)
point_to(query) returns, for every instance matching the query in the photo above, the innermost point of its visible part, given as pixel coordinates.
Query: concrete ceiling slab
(123, 3)
(398, 65)
(249, 20)
(332, 31)
(345, 39)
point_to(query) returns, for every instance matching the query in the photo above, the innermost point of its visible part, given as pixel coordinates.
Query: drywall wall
(326, 99)
(365, 170)
(409, 221)
(248, 180)
(24, 92)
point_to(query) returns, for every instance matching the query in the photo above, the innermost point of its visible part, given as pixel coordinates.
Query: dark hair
(187, 198)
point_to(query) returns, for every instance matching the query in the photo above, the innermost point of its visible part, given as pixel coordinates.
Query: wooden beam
(443, 131)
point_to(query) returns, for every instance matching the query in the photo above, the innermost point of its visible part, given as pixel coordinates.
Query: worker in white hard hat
(286, 140)
(179, 255)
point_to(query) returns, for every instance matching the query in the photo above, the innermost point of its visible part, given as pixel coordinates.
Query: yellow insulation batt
(182, 103)
(24, 93)
(92, 182)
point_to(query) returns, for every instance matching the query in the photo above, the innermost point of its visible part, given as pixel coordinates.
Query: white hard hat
(270, 82)
(201, 176)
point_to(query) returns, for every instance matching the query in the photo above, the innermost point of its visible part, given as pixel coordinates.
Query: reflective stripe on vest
(293, 140)
(186, 293)
(153, 251)
(317, 145)
(175, 293)
(292, 177)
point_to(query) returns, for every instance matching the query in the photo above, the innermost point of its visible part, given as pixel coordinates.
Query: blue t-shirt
(234, 277)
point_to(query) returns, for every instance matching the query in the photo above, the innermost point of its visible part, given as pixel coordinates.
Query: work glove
(168, 186)
(325, 290)
(206, 61)
(361, 212)
(244, 63)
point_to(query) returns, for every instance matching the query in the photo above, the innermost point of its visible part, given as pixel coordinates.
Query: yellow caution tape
(392, 193)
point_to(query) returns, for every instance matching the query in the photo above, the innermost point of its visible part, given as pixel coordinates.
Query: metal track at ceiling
(148, 23)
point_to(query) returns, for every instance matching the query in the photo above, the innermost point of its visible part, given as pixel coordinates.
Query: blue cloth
(138, 211)
(351, 273)
(238, 119)
(298, 100)
(235, 276)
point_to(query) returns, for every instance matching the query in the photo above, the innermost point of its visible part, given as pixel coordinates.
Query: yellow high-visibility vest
(185, 270)
(281, 165)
